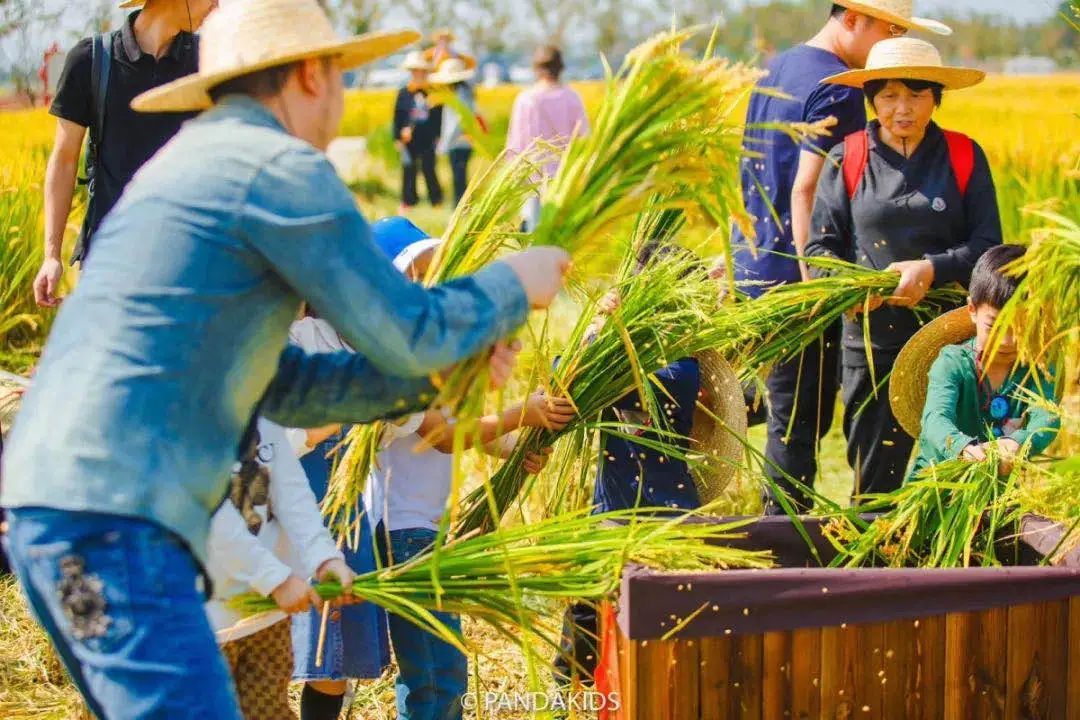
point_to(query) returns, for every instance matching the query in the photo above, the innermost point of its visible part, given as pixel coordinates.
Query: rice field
(1028, 127)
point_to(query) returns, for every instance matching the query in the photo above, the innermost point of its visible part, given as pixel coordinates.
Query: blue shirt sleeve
(302, 219)
(843, 103)
(310, 390)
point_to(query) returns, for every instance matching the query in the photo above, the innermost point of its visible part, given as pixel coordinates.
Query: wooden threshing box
(798, 643)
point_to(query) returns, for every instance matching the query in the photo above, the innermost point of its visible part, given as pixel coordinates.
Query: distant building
(1030, 65)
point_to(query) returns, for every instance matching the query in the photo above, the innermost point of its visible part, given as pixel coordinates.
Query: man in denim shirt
(159, 358)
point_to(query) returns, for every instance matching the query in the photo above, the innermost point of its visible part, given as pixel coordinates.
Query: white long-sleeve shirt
(293, 542)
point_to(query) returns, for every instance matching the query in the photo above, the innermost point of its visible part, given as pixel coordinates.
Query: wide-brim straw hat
(908, 59)
(451, 71)
(128, 4)
(719, 430)
(244, 36)
(911, 372)
(415, 60)
(897, 12)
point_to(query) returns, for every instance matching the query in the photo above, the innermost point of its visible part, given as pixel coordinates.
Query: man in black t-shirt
(154, 46)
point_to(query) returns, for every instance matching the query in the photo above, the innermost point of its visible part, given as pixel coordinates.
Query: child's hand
(1007, 449)
(335, 568)
(502, 360)
(547, 411)
(535, 462)
(604, 308)
(295, 596)
(974, 452)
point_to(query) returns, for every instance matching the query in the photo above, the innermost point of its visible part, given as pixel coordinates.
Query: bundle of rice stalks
(669, 311)
(1044, 312)
(783, 321)
(665, 312)
(956, 514)
(483, 226)
(664, 133)
(503, 577)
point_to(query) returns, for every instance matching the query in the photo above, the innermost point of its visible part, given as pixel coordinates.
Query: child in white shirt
(268, 536)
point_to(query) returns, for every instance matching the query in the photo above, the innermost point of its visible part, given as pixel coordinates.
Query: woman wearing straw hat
(176, 336)
(906, 196)
(778, 178)
(455, 75)
(416, 130)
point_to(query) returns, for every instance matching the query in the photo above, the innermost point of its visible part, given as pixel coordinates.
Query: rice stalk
(1044, 312)
(502, 577)
(956, 514)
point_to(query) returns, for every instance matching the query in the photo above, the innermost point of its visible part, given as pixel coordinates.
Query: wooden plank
(714, 661)
(731, 683)
(806, 674)
(851, 658)
(912, 674)
(776, 690)
(686, 673)
(653, 698)
(975, 665)
(791, 675)
(1073, 679)
(628, 678)
(749, 650)
(1037, 650)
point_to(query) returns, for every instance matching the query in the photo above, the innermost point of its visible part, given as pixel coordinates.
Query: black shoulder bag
(100, 65)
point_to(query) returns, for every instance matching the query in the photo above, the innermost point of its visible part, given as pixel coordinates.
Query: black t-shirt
(129, 138)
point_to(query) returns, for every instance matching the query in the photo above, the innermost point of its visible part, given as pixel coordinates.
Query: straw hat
(907, 58)
(416, 61)
(451, 71)
(911, 372)
(719, 442)
(248, 35)
(128, 4)
(897, 12)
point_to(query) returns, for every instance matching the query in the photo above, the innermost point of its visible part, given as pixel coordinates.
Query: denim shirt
(179, 322)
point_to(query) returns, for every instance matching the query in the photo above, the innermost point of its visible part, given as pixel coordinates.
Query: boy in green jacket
(975, 399)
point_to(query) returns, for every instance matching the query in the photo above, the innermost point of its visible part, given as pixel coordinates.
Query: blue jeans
(118, 598)
(432, 674)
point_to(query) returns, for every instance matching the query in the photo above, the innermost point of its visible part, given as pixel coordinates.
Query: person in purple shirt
(779, 177)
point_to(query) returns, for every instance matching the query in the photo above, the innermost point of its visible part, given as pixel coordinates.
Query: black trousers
(422, 159)
(802, 399)
(578, 649)
(878, 449)
(459, 166)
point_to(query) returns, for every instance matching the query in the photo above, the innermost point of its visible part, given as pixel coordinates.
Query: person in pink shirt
(548, 111)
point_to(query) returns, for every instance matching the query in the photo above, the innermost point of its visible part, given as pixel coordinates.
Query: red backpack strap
(856, 154)
(961, 157)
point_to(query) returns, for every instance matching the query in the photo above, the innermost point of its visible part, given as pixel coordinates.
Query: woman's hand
(547, 412)
(916, 277)
(869, 306)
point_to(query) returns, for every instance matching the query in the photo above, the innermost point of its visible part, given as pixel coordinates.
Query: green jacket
(956, 412)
